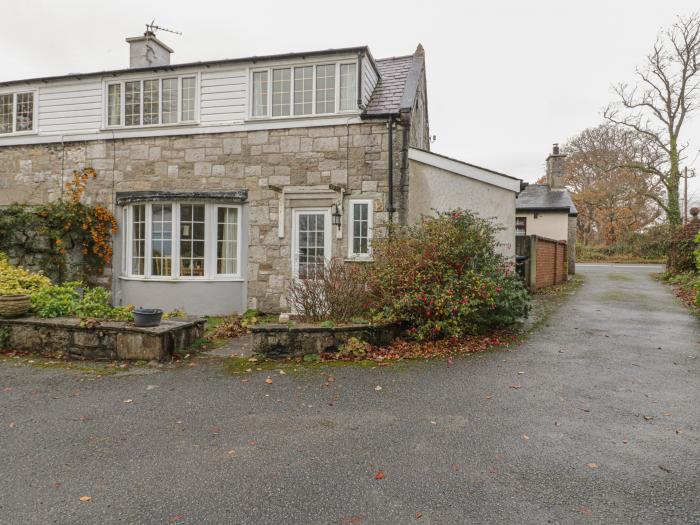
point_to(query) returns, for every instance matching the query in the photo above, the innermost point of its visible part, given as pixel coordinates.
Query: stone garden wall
(109, 340)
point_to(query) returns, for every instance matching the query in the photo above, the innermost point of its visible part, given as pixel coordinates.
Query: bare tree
(612, 201)
(656, 107)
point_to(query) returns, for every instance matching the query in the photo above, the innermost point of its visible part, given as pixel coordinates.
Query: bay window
(360, 228)
(151, 102)
(304, 90)
(17, 112)
(182, 241)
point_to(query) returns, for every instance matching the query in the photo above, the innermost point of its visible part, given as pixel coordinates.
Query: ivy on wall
(67, 239)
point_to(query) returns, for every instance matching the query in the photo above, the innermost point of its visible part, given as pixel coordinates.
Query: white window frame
(159, 78)
(210, 234)
(370, 227)
(292, 66)
(35, 108)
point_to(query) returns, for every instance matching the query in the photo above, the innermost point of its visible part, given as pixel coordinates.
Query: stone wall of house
(353, 156)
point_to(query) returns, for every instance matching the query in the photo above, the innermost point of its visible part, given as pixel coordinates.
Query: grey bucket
(144, 317)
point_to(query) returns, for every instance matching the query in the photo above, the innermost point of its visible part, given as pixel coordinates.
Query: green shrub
(445, 278)
(15, 280)
(70, 299)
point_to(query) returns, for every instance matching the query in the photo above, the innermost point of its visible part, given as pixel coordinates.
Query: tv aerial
(152, 28)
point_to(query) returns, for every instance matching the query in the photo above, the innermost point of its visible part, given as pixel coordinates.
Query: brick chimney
(555, 168)
(148, 51)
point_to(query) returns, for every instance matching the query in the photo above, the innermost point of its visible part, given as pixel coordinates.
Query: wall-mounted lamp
(336, 216)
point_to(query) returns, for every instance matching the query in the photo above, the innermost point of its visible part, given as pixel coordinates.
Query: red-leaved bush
(445, 278)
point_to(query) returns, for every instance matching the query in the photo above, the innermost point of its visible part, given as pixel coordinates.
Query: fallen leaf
(679, 431)
(665, 469)
(585, 511)
(13, 424)
(282, 373)
(175, 518)
(500, 455)
(516, 386)
(666, 414)
(455, 467)
(419, 515)
(85, 418)
(252, 443)
(557, 424)
(8, 389)
(352, 520)
(248, 369)
(625, 441)
(128, 401)
(231, 451)
(488, 397)
(648, 418)
(433, 422)
(244, 380)
(377, 388)
(379, 474)
(592, 466)
(526, 437)
(215, 430)
(85, 498)
(151, 387)
(253, 359)
(330, 379)
(520, 372)
(268, 380)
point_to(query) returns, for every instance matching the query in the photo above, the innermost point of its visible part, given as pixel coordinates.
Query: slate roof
(540, 197)
(389, 90)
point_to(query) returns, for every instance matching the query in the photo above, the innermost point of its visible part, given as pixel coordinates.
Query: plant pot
(145, 317)
(14, 305)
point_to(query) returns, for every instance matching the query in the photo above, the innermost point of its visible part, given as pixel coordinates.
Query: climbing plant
(67, 239)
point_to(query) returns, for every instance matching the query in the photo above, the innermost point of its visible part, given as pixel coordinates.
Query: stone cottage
(231, 177)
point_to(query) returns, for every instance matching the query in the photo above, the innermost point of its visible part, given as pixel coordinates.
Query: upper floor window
(17, 112)
(304, 90)
(521, 226)
(151, 102)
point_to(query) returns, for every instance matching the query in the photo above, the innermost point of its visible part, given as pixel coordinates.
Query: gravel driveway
(595, 419)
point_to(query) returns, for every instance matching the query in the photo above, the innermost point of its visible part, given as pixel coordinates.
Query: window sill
(150, 126)
(303, 117)
(359, 259)
(180, 280)
(19, 134)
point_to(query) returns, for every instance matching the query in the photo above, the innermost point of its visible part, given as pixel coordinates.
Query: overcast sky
(506, 79)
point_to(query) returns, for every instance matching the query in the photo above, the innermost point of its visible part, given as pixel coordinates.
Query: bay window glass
(114, 105)
(138, 239)
(161, 239)
(281, 92)
(348, 87)
(16, 112)
(182, 241)
(303, 90)
(169, 101)
(192, 240)
(325, 88)
(260, 93)
(226, 240)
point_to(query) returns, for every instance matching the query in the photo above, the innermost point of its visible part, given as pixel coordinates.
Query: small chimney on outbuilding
(556, 174)
(148, 51)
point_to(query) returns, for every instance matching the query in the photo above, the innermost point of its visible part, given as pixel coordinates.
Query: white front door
(311, 245)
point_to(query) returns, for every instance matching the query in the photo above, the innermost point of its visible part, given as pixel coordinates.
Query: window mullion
(14, 113)
(313, 90)
(175, 236)
(337, 88)
(147, 263)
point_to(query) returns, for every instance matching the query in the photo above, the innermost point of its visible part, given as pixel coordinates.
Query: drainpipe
(404, 156)
(391, 208)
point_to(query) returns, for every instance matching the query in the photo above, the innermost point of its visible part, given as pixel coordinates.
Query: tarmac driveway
(593, 420)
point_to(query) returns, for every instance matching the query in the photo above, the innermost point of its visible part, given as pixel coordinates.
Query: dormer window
(151, 102)
(17, 112)
(304, 90)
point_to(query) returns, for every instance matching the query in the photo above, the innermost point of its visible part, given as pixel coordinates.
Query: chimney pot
(555, 148)
(556, 168)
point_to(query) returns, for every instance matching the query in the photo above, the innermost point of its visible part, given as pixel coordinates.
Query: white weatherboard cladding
(223, 96)
(70, 107)
(369, 79)
(74, 109)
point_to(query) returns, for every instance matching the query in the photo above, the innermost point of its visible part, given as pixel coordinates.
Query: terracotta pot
(14, 305)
